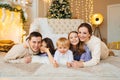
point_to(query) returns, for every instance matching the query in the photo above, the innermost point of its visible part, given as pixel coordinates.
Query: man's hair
(34, 34)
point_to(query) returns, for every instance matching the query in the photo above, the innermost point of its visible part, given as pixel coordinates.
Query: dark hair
(50, 45)
(88, 26)
(79, 47)
(34, 34)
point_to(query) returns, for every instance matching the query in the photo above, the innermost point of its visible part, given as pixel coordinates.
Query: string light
(82, 9)
(71, 5)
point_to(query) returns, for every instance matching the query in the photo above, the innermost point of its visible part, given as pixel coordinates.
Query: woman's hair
(79, 47)
(63, 42)
(34, 34)
(50, 45)
(88, 26)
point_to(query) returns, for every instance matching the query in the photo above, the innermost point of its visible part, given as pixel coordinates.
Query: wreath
(7, 6)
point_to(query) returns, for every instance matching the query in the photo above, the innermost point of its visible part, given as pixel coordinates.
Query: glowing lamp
(97, 19)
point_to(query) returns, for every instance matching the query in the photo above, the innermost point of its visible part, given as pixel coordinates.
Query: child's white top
(63, 58)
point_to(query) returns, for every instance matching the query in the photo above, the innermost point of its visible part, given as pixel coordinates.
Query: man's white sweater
(17, 53)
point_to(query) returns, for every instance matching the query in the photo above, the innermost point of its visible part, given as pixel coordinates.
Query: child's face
(43, 46)
(62, 49)
(73, 37)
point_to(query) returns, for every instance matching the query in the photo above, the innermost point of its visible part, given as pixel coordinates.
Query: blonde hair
(63, 42)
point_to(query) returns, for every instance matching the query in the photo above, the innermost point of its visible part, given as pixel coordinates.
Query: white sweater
(98, 50)
(17, 53)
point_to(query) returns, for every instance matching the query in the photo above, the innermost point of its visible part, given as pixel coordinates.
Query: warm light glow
(12, 27)
(82, 9)
(97, 19)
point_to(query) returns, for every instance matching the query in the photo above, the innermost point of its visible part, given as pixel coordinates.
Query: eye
(84, 33)
(79, 32)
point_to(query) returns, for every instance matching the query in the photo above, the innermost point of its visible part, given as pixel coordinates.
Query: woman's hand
(77, 64)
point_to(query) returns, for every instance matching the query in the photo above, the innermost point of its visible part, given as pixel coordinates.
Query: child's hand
(47, 50)
(55, 64)
(68, 64)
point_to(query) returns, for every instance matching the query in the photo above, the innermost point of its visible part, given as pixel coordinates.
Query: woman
(98, 49)
(79, 49)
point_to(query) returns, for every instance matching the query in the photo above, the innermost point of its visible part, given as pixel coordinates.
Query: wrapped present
(114, 45)
(6, 45)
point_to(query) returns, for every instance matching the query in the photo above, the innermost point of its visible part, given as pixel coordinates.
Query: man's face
(35, 43)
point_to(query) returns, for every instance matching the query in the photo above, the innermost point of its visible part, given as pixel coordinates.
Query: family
(81, 49)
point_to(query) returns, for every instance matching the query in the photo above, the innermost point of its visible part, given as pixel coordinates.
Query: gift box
(114, 45)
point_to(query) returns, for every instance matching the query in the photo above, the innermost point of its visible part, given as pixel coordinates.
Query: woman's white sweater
(98, 50)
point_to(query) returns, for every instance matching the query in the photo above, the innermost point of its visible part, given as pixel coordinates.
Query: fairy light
(71, 6)
(82, 9)
(91, 9)
(79, 4)
(86, 10)
(76, 9)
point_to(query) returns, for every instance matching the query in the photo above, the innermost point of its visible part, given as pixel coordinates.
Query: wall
(100, 6)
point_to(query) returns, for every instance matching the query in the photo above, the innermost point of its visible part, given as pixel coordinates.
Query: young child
(80, 50)
(46, 44)
(63, 55)
(47, 47)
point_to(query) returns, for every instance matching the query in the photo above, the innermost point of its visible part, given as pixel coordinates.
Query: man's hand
(27, 59)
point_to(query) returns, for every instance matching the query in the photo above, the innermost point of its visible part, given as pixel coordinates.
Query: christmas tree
(59, 9)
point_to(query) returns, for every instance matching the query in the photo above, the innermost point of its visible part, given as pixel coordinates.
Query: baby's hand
(68, 64)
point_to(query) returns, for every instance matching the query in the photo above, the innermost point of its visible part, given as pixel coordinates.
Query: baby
(63, 55)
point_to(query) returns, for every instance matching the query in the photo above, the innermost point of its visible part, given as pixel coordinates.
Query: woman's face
(83, 34)
(43, 47)
(74, 39)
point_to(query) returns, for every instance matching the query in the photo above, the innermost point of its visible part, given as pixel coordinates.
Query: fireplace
(11, 26)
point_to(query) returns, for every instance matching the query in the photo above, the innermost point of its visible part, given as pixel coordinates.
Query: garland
(7, 6)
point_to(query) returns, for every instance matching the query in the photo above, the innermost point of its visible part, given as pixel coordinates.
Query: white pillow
(55, 37)
(45, 28)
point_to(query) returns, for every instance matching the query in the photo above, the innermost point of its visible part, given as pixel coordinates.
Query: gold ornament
(18, 7)
(97, 19)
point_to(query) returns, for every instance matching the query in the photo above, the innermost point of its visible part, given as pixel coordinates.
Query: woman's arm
(94, 45)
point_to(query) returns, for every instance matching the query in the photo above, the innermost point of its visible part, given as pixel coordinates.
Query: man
(21, 53)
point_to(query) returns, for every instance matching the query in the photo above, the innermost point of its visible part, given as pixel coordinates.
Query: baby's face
(43, 47)
(62, 49)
